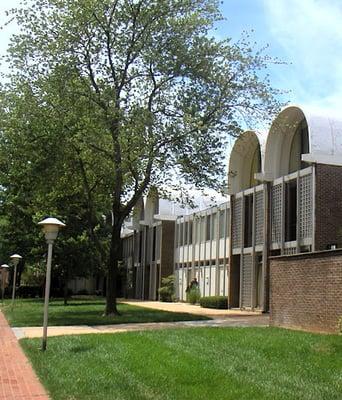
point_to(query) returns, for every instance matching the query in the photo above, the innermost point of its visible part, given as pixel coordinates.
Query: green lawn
(188, 364)
(84, 312)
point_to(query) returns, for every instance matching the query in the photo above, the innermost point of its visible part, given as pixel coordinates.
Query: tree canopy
(109, 97)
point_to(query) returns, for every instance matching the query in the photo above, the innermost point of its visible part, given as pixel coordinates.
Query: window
(203, 229)
(213, 226)
(198, 229)
(180, 227)
(186, 225)
(248, 221)
(190, 232)
(222, 228)
(154, 243)
(290, 211)
(228, 222)
(140, 246)
(208, 228)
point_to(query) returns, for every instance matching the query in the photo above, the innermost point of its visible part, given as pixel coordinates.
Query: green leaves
(109, 97)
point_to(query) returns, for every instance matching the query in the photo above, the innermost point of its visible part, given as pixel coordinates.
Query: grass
(187, 364)
(28, 312)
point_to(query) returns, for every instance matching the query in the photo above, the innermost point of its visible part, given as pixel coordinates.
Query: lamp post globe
(50, 227)
(15, 260)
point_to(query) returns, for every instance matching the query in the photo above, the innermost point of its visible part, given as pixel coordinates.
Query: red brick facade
(328, 199)
(306, 291)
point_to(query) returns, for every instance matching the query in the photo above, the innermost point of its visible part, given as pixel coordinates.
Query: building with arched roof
(286, 210)
(245, 162)
(285, 197)
(298, 138)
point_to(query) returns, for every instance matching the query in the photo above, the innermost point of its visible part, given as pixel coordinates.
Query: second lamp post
(50, 227)
(15, 259)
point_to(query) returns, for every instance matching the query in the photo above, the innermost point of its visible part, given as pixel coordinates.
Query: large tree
(140, 91)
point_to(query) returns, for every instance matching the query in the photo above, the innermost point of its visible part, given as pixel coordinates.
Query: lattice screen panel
(290, 250)
(259, 217)
(246, 268)
(237, 223)
(305, 207)
(276, 213)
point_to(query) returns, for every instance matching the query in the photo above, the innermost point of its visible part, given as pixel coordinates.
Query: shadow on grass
(75, 303)
(82, 312)
(80, 349)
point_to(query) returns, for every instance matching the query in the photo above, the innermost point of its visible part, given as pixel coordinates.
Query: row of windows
(205, 263)
(204, 228)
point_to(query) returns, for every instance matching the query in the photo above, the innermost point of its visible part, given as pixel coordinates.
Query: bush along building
(285, 198)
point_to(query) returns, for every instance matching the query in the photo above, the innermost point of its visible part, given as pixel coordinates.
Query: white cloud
(310, 34)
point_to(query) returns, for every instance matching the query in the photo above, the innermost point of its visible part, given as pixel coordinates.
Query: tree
(40, 177)
(141, 93)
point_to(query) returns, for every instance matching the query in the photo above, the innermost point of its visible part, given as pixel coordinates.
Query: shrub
(167, 289)
(220, 302)
(58, 292)
(193, 295)
(29, 291)
(83, 292)
(339, 324)
(8, 292)
(34, 275)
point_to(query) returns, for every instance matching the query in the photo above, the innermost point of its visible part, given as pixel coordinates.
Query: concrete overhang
(335, 159)
(162, 217)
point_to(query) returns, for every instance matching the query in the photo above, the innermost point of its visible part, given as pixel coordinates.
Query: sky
(305, 34)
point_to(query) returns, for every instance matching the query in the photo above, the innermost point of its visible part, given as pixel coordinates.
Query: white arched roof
(200, 200)
(138, 214)
(151, 206)
(324, 134)
(241, 158)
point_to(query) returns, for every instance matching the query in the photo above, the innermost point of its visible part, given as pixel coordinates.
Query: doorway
(234, 282)
(258, 282)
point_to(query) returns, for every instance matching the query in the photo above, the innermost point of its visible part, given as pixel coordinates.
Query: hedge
(214, 302)
(29, 291)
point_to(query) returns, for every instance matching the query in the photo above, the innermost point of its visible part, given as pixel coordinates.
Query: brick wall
(306, 291)
(328, 224)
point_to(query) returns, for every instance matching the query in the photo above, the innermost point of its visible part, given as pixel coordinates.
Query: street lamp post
(50, 227)
(4, 278)
(15, 259)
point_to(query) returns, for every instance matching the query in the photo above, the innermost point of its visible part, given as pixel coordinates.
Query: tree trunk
(112, 271)
(65, 292)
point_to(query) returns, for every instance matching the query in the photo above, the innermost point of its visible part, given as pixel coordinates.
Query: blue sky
(306, 34)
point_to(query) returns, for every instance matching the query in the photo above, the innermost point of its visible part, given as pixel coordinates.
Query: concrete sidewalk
(17, 378)
(223, 318)
(34, 332)
(190, 309)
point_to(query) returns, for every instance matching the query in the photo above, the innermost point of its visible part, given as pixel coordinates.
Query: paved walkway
(17, 379)
(191, 309)
(33, 332)
(226, 318)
